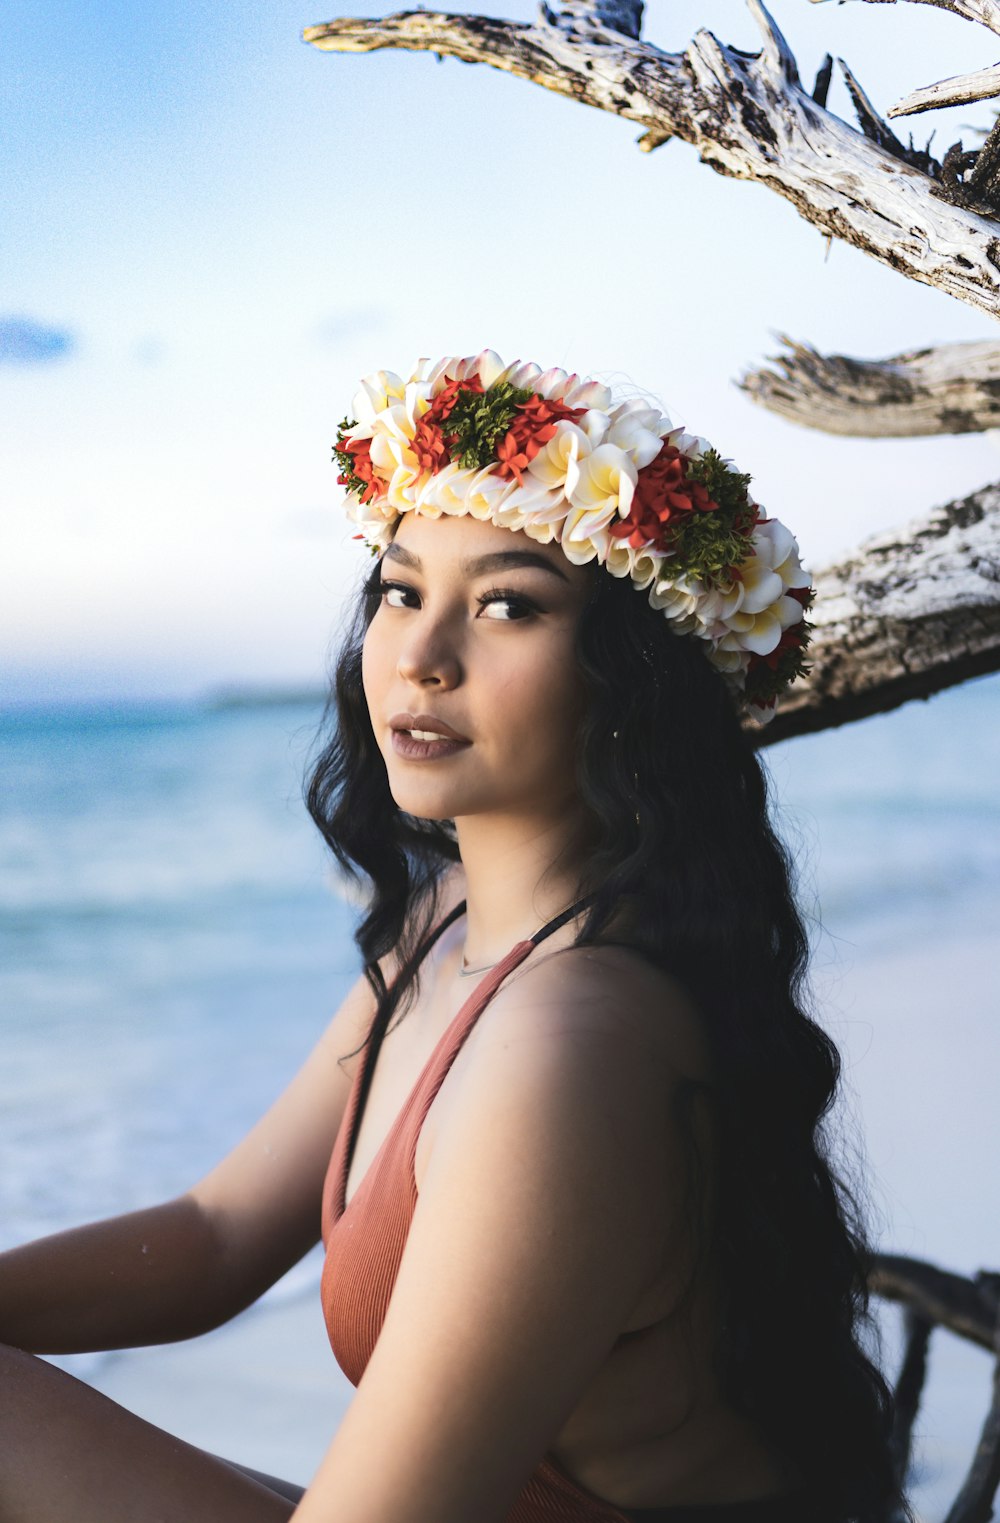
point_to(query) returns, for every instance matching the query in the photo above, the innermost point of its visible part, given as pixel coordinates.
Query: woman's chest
(407, 1052)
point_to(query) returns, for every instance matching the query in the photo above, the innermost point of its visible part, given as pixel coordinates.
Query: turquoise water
(172, 942)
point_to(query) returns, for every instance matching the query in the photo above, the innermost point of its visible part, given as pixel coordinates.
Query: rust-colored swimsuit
(364, 1247)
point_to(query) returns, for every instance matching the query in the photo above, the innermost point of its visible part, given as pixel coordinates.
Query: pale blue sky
(216, 230)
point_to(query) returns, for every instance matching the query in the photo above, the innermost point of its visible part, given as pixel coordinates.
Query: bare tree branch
(909, 1388)
(749, 117)
(966, 1307)
(960, 90)
(987, 12)
(974, 1503)
(911, 613)
(948, 389)
(623, 16)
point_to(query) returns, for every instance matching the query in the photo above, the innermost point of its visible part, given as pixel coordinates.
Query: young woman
(586, 1257)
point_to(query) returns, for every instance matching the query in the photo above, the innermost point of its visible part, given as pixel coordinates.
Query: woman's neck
(509, 887)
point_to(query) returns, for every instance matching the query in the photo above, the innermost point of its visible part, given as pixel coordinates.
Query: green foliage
(479, 419)
(708, 545)
(345, 459)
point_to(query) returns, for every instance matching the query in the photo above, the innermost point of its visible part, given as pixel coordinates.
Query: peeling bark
(750, 118)
(950, 389)
(910, 614)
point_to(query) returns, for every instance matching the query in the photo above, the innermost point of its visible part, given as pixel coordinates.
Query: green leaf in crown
(478, 419)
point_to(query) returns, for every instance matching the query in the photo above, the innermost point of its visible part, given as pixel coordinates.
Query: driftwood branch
(909, 1388)
(932, 1297)
(749, 117)
(966, 1307)
(911, 613)
(986, 12)
(623, 16)
(958, 90)
(948, 389)
(982, 84)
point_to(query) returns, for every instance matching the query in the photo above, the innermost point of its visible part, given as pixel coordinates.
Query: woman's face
(498, 669)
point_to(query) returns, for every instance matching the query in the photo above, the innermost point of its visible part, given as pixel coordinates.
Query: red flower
(792, 638)
(532, 426)
(361, 464)
(428, 445)
(446, 398)
(663, 497)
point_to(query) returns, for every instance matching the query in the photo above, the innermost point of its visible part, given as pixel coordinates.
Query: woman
(585, 1257)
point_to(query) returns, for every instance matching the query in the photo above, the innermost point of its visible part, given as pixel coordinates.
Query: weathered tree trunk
(911, 613)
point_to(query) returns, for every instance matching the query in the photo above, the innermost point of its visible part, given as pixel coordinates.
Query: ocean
(173, 940)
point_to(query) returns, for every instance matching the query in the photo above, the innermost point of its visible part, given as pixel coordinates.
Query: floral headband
(551, 454)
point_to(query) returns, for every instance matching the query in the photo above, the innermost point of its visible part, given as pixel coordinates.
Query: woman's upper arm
(263, 1199)
(551, 1189)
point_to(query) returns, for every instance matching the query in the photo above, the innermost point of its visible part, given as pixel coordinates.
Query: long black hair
(677, 804)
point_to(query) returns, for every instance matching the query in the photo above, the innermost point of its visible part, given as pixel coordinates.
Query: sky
(211, 231)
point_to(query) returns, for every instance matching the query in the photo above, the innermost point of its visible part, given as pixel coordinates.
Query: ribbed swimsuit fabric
(364, 1244)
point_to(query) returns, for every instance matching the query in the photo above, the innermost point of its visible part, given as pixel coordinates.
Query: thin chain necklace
(465, 972)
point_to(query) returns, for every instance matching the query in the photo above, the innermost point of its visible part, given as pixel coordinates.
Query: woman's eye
(522, 608)
(518, 606)
(386, 587)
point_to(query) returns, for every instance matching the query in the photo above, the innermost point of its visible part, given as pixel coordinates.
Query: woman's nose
(430, 652)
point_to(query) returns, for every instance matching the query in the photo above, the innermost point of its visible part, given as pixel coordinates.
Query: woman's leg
(70, 1455)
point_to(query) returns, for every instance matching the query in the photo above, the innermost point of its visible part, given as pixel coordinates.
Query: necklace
(465, 972)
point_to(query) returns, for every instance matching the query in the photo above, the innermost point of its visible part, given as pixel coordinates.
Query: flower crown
(551, 454)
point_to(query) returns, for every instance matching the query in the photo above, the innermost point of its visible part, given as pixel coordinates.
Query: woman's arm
(550, 1201)
(177, 1269)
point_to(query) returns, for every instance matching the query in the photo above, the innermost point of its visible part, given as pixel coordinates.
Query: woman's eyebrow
(497, 560)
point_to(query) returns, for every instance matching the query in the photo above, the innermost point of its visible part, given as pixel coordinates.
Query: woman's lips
(404, 744)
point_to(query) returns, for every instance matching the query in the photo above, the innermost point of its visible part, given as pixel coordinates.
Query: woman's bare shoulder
(615, 990)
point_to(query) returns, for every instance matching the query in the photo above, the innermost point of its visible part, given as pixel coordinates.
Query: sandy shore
(919, 1038)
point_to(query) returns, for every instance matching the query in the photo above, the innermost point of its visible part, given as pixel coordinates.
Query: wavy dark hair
(712, 887)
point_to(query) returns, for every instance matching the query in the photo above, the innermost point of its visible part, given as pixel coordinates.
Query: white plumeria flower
(522, 374)
(589, 394)
(599, 487)
(586, 548)
(485, 492)
(553, 384)
(646, 565)
(727, 660)
(676, 596)
(544, 533)
(404, 487)
(620, 558)
(377, 391)
(545, 504)
(784, 552)
(551, 464)
(489, 367)
(447, 490)
(634, 432)
(389, 451)
(371, 514)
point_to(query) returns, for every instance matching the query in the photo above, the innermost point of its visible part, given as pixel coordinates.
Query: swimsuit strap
(375, 1038)
(558, 920)
(443, 925)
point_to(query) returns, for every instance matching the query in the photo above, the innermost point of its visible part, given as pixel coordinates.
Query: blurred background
(212, 231)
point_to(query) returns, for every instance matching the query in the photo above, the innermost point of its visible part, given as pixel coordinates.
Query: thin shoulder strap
(426, 945)
(558, 920)
(375, 1037)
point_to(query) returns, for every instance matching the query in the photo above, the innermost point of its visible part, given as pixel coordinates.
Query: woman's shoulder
(608, 1004)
